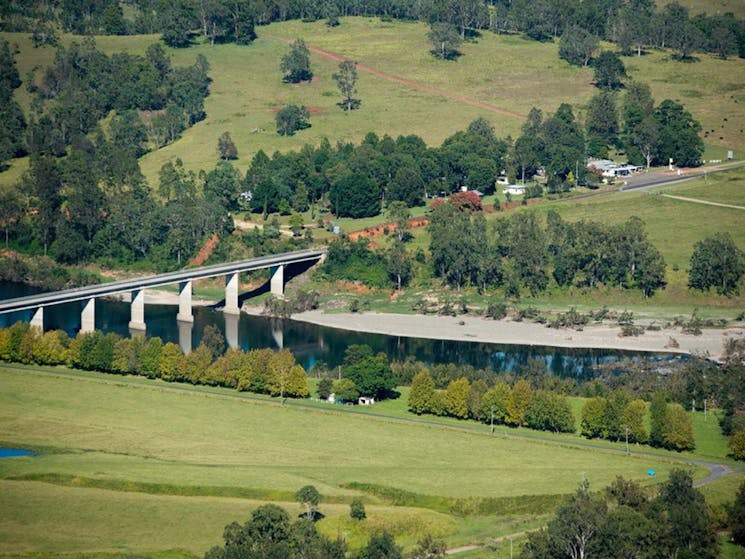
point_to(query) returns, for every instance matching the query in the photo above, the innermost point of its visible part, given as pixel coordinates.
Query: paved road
(645, 181)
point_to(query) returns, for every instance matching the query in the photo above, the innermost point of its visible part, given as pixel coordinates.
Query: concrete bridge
(184, 278)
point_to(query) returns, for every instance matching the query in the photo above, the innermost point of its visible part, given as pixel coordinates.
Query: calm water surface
(311, 343)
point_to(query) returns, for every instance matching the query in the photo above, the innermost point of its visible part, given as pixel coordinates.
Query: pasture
(403, 88)
(138, 466)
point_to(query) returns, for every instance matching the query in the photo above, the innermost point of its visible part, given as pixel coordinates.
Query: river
(311, 343)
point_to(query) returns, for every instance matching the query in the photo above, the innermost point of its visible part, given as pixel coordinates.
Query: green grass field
(131, 465)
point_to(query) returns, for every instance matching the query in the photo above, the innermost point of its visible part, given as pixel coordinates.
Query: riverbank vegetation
(531, 397)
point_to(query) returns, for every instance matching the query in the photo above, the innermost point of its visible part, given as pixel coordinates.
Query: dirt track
(410, 83)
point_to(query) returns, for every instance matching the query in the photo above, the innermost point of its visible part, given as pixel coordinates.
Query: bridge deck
(104, 289)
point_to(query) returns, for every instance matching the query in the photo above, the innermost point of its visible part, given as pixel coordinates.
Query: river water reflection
(311, 343)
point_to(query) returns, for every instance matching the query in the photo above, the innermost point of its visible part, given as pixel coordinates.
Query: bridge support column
(231, 329)
(88, 316)
(37, 319)
(137, 309)
(184, 302)
(184, 335)
(231, 294)
(277, 284)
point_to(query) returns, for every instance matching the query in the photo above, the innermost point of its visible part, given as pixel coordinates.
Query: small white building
(331, 399)
(514, 189)
(611, 169)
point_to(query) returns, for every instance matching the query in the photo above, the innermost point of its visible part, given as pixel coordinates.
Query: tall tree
(399, 264)
(577, 46)
(609, 70)
(422, 393)
(716, 262)
(177, 19)
(226, 148)
(11, 208)
(602, 121)
(292, 118)
(677, 429)
(689, 528)
(679, 138)
(309, 497)
(346, 81)
(44, 181)
(517, 408)
(737, 517)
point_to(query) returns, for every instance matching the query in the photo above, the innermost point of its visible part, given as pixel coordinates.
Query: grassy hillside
(499, 77)
(711, 7)
(138, 466)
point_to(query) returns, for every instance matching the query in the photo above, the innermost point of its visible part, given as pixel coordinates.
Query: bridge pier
(184, 302)
(277, 283)
(88, 316)
(137, 309)
(231, 329)
(37, 319)
(231, 294)
(184, 335)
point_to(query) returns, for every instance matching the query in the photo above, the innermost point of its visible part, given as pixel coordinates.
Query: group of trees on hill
(633, 25)
(12, 120)
(95, 204)
(83, 85)
(517, 252)
(358, 179)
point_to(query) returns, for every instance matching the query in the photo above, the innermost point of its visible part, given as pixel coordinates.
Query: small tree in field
(357, 509)
(445, 40)
(296, 63)
(325, 388)
(309, 497)
(346, 81)
(226, 147)
(292, 118)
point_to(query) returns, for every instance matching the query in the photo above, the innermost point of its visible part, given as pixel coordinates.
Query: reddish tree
(467, 201)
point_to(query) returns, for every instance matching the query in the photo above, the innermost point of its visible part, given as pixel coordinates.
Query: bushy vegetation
(518, 405)
(518, 253)
(43, 272)
(355, 261)
(620, 418)
(269, 533)
(624, 521)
